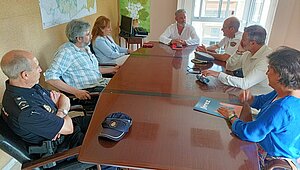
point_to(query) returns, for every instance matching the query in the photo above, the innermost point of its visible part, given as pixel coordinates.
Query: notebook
(210, 106)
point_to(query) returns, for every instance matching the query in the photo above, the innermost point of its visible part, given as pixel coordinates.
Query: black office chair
(37, 157)
(107, 75)
(87, 106)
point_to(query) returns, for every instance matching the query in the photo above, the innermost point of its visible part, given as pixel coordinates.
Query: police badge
(48, 108)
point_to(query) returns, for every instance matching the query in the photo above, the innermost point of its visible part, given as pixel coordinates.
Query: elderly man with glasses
(230, 42)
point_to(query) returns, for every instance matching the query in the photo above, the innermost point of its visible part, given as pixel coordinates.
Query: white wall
(161, 16)
(285, 30)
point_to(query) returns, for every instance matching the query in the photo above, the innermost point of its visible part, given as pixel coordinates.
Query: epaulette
(21, 102)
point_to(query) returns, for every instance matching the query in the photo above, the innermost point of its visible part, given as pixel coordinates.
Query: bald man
(230, 42)
(32, 112)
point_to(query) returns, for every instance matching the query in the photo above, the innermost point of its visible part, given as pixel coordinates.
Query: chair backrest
(91, 48)
(13, 145)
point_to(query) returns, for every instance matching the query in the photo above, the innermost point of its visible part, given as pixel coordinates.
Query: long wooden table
(167, 133)
(163, 50)
(163, 76)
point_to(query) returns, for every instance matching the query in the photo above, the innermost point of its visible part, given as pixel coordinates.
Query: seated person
(34, 113)
(230, 42)
(106, 50)
(253, 62)
(75, 69)
(276, 126)
(180, 33)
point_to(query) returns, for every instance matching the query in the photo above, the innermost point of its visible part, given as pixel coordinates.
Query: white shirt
(231, 44)
(254, 70)
(188, 34)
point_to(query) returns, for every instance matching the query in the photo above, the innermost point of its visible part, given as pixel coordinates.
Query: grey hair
(234, 22)
(15, 66)
(180, 11)
(256, 33)
(76, 28)
(286, 62)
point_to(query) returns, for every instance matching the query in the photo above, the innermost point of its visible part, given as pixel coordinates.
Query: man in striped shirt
(75, 69)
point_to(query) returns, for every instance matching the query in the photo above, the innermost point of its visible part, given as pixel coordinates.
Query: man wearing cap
(180, 33)
(230, 42)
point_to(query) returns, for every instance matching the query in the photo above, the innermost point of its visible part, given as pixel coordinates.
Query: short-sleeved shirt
(75, 67)
(231, 44)
(31, 113)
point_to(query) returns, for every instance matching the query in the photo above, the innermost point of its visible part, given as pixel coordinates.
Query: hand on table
(225, 111)
(201, 48)
(210, 73)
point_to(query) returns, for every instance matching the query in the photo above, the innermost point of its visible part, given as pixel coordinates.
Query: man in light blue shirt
(75, 68)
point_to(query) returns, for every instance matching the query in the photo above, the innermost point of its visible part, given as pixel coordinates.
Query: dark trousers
(80, 124)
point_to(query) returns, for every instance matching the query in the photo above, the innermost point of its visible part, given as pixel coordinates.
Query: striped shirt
(75, 67)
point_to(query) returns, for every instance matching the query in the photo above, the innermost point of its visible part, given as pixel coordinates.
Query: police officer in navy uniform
(32, 112)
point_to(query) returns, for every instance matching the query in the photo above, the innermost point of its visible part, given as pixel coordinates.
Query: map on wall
(55, 12)
(138, 10)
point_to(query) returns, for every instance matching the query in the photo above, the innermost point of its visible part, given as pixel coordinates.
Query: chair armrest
(71, 96)
(108, 64)
(52, 158)
(278, 163)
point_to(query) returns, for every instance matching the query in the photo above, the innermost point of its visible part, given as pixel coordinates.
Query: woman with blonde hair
(106, 50)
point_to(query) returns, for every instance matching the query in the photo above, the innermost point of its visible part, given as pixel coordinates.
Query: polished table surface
(163, 50)
(159, 95)
(164, 76)
(166, 134)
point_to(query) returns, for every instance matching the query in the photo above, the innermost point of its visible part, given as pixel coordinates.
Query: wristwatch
(231, 116)
(64, 111)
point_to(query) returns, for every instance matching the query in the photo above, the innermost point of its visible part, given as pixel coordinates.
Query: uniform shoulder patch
(48, 108)
(21, 102)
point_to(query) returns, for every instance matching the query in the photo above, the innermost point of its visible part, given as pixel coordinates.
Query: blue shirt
(276, 128)
(31, 113)
(106, 50)
(75, 67)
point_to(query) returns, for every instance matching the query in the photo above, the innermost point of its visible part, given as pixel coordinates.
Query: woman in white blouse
(106, 50)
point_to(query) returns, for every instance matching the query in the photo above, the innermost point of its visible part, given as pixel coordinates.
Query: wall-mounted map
(139, 10)
(56, 12)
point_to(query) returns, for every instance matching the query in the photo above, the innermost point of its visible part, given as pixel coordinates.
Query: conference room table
(159, 94)
(163, 50)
